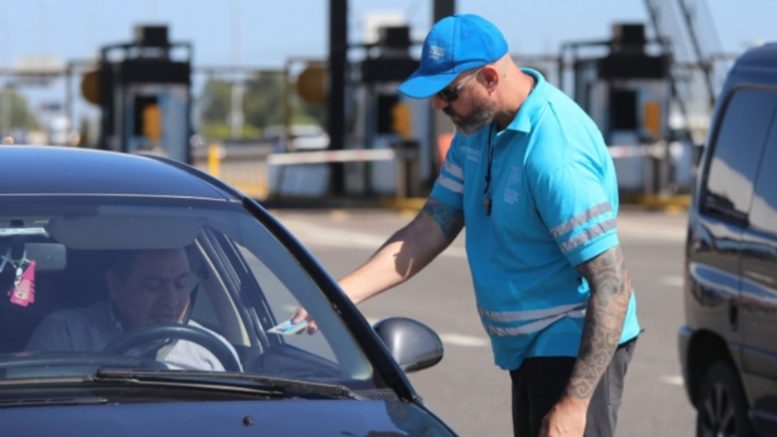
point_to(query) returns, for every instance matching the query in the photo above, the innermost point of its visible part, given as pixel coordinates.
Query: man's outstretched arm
(407, 251)
(611, 288)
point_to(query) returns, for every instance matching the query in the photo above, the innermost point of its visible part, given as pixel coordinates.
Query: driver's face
(154, 291)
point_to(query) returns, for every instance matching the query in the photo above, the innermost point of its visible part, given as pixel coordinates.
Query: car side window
(763, 214)
(736, 152)
(283, 303)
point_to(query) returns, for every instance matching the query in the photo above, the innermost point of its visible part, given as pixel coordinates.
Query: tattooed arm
(407, 251)
(610, 293)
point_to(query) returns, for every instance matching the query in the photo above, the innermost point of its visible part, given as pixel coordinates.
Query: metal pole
(705, 64)
(441, 9)
(69, 101)
(5, 108)
(236, 116)
(338, 59)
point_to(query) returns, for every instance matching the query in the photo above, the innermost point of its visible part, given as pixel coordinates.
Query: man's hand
(403, 255)
(566, 418)
(299, 315)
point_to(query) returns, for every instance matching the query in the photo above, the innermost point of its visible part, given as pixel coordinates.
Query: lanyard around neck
(487, 203)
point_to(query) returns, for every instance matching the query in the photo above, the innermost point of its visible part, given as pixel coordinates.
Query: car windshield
(162, 285)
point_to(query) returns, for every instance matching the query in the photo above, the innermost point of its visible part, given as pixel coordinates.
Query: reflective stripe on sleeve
(588, 235)
(456, 187)
(581, 218)
(453, 169)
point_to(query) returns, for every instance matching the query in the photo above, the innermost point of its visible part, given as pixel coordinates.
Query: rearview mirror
(47, 256)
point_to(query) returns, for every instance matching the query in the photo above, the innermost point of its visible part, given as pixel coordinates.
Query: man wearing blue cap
(529, 174)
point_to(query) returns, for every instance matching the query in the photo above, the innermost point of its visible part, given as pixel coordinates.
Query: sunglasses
(450, 94)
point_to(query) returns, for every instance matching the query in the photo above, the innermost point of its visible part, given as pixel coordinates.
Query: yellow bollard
(214, 160)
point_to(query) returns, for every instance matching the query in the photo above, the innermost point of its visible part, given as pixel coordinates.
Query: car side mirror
(413, 345)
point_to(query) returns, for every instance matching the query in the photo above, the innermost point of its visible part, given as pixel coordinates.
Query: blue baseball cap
(455, 44)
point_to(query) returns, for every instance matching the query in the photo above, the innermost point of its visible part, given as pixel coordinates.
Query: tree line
(265, 102)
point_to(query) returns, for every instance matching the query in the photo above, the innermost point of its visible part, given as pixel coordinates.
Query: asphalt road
(466, 390)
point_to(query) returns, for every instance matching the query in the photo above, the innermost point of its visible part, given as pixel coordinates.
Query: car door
(758, 311)
(716, 229)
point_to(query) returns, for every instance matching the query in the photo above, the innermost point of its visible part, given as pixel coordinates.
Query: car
(88, 238)
(728, 345)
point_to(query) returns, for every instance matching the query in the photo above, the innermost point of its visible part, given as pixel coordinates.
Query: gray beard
(476, 120)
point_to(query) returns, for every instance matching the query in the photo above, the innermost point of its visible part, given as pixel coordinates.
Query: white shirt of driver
(94, 327)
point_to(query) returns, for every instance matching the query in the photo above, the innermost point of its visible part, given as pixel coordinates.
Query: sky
(264, 33)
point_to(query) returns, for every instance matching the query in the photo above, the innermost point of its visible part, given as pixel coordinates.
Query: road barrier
(251, 167)
(327, 156)
(404, 155)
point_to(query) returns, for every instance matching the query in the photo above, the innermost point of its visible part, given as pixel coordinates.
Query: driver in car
(146, 288)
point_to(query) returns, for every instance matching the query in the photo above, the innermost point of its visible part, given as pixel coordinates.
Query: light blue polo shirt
(554, 205)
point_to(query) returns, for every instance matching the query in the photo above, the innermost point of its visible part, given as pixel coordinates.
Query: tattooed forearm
(450, 219)
(610, 292)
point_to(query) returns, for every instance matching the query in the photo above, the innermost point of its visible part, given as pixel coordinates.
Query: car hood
(292, 417)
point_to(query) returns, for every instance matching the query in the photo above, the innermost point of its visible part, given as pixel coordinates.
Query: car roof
(764, 56)
(757, 66)
(53, 170)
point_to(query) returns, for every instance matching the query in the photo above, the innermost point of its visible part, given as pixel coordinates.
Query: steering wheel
(184, 332)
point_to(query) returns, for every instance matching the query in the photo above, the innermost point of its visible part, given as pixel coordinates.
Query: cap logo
(436, 53)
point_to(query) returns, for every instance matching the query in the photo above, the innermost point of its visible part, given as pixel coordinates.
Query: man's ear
(490, 76)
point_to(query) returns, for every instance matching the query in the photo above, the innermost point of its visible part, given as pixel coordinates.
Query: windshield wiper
(228, 381)
(53, 401)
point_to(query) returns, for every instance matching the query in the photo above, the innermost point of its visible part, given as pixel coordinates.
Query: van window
(737, 151)
(763, 215)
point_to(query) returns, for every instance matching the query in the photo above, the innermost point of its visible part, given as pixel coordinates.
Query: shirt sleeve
(51, 334)
(449, 186)
(574, 205)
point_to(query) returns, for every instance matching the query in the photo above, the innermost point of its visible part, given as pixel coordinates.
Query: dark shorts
(540, 381)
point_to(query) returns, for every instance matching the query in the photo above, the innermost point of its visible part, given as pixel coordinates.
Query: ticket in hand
(288, 328)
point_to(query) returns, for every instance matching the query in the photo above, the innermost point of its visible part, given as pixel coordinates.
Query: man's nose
(166, 294)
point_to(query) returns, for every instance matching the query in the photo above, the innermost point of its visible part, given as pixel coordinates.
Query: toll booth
(627, 92)
(388, 119)
(144, 92)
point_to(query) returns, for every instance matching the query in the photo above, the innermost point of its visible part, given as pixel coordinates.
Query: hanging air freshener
(23, 291)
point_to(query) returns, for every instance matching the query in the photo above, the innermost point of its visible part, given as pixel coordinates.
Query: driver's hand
(299, 315)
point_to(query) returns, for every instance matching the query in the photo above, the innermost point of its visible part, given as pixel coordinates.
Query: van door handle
(733, 316)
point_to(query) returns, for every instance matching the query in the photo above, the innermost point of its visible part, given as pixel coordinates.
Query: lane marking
(464, 340)
(673, 281)
(672, 380)
(650, 231)
(652, 235)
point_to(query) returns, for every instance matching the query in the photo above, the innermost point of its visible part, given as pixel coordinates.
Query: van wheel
(722, 406)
